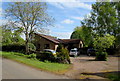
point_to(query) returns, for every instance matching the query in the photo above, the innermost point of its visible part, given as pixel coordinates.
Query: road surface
(14, 70)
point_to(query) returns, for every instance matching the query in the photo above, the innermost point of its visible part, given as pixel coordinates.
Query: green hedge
(43, 56)
(14, 47)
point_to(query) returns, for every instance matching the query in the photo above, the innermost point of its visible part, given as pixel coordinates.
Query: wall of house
(42, 43)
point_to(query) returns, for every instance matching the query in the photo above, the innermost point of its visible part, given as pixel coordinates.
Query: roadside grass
(114, 77)
(46, 66)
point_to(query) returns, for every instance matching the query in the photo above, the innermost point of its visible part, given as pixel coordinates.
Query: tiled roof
(57, 41)
(71, 40)
(50, 38)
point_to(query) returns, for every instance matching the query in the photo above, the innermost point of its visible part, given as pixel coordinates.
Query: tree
(104, 19)
(17, 36)
(83, 33)
(10, 37)
(29, 16)
(6, 35)
(101, 43)
(117, 7)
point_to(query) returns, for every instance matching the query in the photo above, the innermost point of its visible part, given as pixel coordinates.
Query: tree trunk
(26, 43)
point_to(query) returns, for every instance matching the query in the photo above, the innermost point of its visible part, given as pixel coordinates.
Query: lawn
(47, 66)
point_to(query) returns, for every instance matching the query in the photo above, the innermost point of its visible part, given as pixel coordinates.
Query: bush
(64, 56)
(31, 56)
(31, 47)
(59, 48)
(46, 56)
(101, 43)
(14, 47)
(101, 56)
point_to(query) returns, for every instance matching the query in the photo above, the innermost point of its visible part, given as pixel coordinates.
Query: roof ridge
(55, 40)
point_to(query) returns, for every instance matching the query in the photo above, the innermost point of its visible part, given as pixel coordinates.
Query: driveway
(14, 70)
(85, 64)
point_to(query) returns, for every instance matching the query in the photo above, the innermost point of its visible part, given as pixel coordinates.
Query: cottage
(49, 42)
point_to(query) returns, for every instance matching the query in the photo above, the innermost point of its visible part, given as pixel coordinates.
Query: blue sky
(67, 16)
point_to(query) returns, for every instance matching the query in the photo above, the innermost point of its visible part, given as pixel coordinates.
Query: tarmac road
(14, 70)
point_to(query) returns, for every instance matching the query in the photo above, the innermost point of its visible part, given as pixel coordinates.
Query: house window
(47, 46)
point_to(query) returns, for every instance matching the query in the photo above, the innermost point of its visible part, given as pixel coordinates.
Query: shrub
(101, 43)
(59, 48)
(101, 56)
(64, 56)
(31, 47)
(47, 56)
(14, 47)
(31, 56)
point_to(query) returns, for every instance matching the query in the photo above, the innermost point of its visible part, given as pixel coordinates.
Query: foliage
(101, 43)
(17, 36)
(47, 66)
(31, 47)
(83, 33)
(114, 77)
(101, 56)
(64, 56)
(104, 42)
(29, 16)
(47, 56)
(11, 37)
(104, 19)
(31, 56)
(14, 47)
(59, 48)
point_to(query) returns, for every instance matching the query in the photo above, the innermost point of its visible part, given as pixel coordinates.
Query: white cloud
(62, 35)
(71, 4)
(77, 18)
(67, 21)
(77, 5)
(59, 26)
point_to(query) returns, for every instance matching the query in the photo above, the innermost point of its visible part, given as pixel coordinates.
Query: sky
(67, 16)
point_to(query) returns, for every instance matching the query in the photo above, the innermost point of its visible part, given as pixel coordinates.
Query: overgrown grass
(47, 66)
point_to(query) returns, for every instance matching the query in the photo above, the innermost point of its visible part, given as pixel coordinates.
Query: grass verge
(47, 66)
(114, 77)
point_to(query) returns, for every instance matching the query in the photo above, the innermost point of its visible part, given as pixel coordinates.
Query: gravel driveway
(85, 64)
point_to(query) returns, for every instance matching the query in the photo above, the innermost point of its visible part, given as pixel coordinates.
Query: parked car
(91, 52)
(74, 52)
(50, 51)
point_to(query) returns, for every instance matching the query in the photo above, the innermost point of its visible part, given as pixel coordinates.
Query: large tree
(104, 19)
(28, 15)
